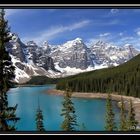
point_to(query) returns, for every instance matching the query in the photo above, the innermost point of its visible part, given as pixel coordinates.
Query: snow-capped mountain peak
(15, 37)
(45, 43)
(67, 59)
(104, 45)
(74, 42)
(101, 43)
(31, 43)
(127, 45)
(46, 46)
(79, 40)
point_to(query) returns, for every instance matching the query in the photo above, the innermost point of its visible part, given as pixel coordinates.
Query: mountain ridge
(70, 58)
(123, 79)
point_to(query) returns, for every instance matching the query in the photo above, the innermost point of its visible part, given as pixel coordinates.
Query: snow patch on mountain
(19, 73)
(70, 58)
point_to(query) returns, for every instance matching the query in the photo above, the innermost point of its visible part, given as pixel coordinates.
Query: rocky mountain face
(73, 54)
(61, 60)
(29, 60)
(76, 55)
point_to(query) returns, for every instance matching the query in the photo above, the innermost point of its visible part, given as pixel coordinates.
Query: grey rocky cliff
(16, 47)
(62, 60)
(73, 54)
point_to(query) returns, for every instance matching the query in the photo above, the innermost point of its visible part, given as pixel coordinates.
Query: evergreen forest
(123, 79)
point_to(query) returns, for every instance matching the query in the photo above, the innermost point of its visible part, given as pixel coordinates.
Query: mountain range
(123, 79)
(66, 59)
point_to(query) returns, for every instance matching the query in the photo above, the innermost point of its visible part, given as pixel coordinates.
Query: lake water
(91, 112)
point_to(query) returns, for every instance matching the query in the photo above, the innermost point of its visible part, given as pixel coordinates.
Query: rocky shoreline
(115, 97)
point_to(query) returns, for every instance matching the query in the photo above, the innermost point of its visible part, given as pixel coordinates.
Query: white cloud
(122, 40)
(132, 40)
(114, 11)
(127, 38)
(137, 31)
(107, 23)
(53, 31)
(119, 39)
(121, 34)
(104, 34)
(116, 40)
(103, 37)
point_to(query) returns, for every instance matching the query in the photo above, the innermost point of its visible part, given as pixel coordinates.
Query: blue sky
(117, 26)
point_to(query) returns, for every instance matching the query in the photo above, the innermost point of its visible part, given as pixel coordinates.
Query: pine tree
(110, 117)
(68, 112)
(39, 119)
(8, 117)
(123, 119)
(132, 123)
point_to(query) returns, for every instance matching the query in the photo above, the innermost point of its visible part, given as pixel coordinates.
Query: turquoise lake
(91, 112)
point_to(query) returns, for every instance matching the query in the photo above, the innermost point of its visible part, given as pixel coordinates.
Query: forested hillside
(124, 79)
(41, 80)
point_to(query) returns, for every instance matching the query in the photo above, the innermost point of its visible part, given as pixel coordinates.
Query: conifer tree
(68, 111)
(110, 117)
(39, 119)
(8, 117)
(132, 123)
(123, 119)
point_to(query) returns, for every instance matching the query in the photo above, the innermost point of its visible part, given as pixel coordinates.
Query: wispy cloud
(111, 13)
(53, 31)
(137, 31)
(114, 11)
(121, 34)
(115, 39)
(104, 34)
(119, 39)
(123, 39)
(131, 40)
(107, 23)
(127, 38)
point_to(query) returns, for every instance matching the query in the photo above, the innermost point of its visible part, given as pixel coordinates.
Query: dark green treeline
(124, 79)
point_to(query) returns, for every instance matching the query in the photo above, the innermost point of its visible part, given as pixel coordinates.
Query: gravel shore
(115, 97)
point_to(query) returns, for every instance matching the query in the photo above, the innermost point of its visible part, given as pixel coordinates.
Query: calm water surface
(91, 112)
